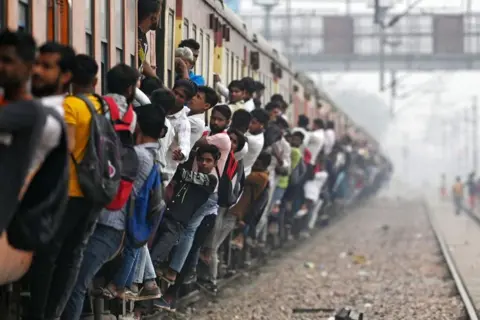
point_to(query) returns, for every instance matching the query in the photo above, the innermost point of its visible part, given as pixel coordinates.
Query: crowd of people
(143, 185)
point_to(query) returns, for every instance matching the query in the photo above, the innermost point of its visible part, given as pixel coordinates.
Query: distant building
(233, 4)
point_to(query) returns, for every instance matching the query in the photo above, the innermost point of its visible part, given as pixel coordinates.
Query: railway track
(460, 283)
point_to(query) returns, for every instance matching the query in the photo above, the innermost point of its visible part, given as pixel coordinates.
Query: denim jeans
(101, 247)
(144, 269)
(181, 251)
(124, 276)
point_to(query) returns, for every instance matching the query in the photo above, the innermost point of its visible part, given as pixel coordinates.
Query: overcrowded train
(154, 148)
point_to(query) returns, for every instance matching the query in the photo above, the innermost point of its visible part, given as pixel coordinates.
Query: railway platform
(461, 235)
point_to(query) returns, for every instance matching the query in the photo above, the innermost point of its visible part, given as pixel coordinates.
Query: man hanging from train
(148, 20)
(193, 45)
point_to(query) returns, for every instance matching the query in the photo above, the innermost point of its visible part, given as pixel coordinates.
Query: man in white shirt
(302, 127)
(329, 137)
(205, 99)
(178, 152)
(255, 138)
(249, 88)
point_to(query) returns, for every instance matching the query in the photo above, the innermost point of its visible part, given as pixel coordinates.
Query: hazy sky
(427, 98)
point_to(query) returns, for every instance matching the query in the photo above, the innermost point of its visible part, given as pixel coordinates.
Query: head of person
(149, 14)
(184, 90)
(259, 121)
(207, 158)
(274, 110)
(263, 161)
(458, 179)
(237, 139)
(205, 99)
(297, 138)
(330, 125)
(220, 118)
(277, 98)
(248, 88)
(236, 89)
(53, 70)
(164, 99)
(318, 124)
(122, 80)
(241, 120)
(150, 124)
(17, 56)
(259, 90)
(150, 84)
(186, 55)
(193, 45)
(303, 121)
(85, 74)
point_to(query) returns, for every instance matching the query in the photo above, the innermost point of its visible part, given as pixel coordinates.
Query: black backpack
(100, 169)
(42, 208)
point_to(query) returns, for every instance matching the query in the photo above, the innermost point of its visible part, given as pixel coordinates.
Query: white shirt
(52, 131)
(239, 155)
(197, 126)
(255, 146)
(165, 143)
(316, 143)
(249, 105)
(329, 140)
(181, 140)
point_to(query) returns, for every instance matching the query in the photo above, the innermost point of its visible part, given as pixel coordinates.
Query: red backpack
(128, 156)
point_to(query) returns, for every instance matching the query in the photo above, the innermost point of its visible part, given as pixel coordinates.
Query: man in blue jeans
(107, 238)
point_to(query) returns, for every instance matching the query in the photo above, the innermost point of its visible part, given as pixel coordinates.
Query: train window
(2, 13)
(201, 54)
(170, 46)
(89, 7)
(194, 31)
(186, 32)
(232, 68)
(24, 15)
(104, 18)
(226, 69)
(208, 55)
(120, 29)
(104, 66)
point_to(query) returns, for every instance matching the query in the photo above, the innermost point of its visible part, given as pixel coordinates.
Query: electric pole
(466, 132)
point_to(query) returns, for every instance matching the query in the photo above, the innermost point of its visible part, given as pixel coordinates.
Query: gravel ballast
(382, 259)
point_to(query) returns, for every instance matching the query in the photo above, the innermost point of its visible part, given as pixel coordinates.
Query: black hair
(190, 43)
(146, 8)
(261, 116)
(121, 77)
(189, 86)
(150, 84)
(236, 84)
(86, 70)
(211, 96)
(265, 158)
(151, 120)
(299, 134)
(249, 85)
(303, 121)
(67, 61)
(330, 124)
(241, 120)
(319, 123)
(163, 98)
(281, 122)
(209, 148)
(24, 43)
(241, 140)
(224, 110)
(259, 86)
(272, 105)
(277, 98)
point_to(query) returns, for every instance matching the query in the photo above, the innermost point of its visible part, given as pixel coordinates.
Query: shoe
(191, 277)
(207, 286)
(164, 304)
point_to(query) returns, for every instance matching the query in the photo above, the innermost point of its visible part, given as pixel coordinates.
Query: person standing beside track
(458, 194)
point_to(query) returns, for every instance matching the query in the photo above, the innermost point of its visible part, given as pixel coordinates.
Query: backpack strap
(119, 124)
(87, 102)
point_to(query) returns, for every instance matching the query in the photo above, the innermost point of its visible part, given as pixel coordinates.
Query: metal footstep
(343, 314)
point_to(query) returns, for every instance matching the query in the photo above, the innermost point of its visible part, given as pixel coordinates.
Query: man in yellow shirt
(457, 192)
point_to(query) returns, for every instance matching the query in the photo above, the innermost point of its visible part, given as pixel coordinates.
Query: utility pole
(268, 6)
(393, 92)
(474, 134)
(466, 132)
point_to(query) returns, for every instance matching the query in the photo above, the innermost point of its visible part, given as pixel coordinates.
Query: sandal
(109, 293)
(170, 282)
